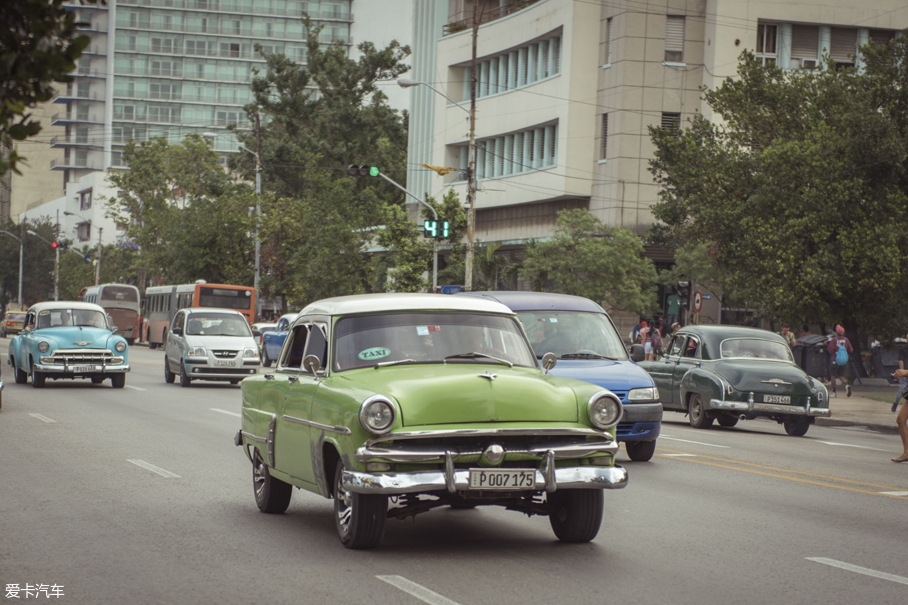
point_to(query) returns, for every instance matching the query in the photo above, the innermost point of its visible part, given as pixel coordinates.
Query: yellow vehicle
(12, 323)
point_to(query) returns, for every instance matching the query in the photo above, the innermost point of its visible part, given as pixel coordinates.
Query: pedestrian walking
(672, 307)
(644, 337)
(788, 336)
(840, 349)
(635, 332)
(903, 380)
(902, 419)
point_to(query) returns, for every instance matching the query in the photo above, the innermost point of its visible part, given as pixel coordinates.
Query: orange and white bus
(121, 301)
(162, 303)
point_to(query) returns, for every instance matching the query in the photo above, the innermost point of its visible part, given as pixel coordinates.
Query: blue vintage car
(273, 341)
(581, 334)
(68, 340)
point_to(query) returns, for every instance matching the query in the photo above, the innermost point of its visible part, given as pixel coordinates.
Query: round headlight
(43, 346)
(605, 410)
(377, 415)
(120, 346)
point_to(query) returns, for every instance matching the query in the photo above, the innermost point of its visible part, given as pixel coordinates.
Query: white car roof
(377, 303)
(64, 304)
(212, 310)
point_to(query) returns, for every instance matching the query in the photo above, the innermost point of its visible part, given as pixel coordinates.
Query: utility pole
(98, 266)
(57, 258)
(471, 182)
(21, 246)
(258, 214)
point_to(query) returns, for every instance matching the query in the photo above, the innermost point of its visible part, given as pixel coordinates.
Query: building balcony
(89, 73)
(489, 10)
(73, 141)
(65, 119)
(74, 95)
(230, 6)
(74, 164)
(95, 49)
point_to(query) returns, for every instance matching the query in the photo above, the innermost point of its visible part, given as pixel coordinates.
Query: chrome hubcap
(258, 475)
(343, 504)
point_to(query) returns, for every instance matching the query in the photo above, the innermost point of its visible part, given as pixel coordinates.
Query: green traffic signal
(373, 171)
(433, 230)
(363, 170)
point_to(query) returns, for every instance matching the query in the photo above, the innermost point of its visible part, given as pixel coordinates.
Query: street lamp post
(56, 264)
(100, 231)
(20, 265)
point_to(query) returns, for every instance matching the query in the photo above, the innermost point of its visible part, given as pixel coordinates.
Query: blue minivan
(581, 334)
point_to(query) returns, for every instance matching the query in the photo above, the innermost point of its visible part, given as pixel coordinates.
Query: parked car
(435, 400)
(12, 323)
(209, 344)
(731, 373)
(258, 331)
(588, 347)
(273, 341)
(68, 340)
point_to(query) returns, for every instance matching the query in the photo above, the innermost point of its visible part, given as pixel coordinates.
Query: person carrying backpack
(840, 349)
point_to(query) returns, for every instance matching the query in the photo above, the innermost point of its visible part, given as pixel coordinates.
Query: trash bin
(885, 362)
(813, 357)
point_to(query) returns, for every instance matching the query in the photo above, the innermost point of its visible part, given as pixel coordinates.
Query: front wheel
(272, 495)
(640, 451)
(576, 514)
(360, 518)
(185, 380)
(266, 362)
(20, 376)
(118, 381)
(796, 427)
(169, 376)
(696, 413)
(37, 379)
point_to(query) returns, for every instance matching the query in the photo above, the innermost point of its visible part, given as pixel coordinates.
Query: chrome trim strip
(450, 473)
(48, 368)
(252, 437)
(434, 453)
(340, 430)
(270, 442)
(772, 408)
(580, 477)
(539, 432)
(548, 471)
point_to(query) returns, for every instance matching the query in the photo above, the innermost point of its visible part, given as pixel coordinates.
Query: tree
(408, 256)
(799, 191)
(587, 258)
(38, 47)
(37, 262)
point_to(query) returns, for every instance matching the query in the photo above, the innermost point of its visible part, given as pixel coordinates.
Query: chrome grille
(82, 356)
(223, 354)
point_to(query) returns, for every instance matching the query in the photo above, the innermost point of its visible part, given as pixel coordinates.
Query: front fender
(706, 384)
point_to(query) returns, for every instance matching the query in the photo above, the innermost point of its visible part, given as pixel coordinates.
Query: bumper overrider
(752, 407)
(564, 443)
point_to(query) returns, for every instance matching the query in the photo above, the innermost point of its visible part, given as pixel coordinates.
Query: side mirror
(637, 353)
(114, 329)
(548, 361)
(177, 331)
(312, 364)
(256, 333)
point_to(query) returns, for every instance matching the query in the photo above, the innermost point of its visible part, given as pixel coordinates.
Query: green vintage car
(434, 400)
(731, 373)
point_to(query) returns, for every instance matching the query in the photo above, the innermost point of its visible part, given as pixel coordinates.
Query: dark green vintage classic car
(731, 373)
(432, 400)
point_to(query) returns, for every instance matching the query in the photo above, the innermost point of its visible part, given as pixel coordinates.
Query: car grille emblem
(493, 454)
(489, 376)
(82, 343)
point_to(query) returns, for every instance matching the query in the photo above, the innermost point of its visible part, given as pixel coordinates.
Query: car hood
(229, 343)
(67, 337)
(457, 393)
(765, 377)
(612, 375)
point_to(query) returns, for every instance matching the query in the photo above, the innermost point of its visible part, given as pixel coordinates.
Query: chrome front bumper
(750, 406)
(50, 368)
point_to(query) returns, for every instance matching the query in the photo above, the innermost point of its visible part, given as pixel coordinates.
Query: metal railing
(76, 163)
(463, 20)
(76, 118)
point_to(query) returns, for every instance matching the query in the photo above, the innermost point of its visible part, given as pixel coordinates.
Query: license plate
(776, 399)
(224, 362)
(81, 369)
(502, 479)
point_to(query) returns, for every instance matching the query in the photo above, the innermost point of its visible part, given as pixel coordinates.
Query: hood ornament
(82, 343)
(775, 382)
(491, 377)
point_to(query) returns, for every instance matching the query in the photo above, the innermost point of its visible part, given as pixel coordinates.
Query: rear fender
(708, 385)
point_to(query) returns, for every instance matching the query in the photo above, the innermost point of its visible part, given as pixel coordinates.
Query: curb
(888, 429)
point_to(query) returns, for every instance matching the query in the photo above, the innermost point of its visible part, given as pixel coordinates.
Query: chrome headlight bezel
(120, 346)
(371, 403)
(604, 398)
(643, 394)
(43, 346)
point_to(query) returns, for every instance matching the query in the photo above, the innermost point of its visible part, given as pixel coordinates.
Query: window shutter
(674, 38)
(805, 39)
(843, 44)
(611, 32)
(604, 135)
(671, 121)
(879, 36)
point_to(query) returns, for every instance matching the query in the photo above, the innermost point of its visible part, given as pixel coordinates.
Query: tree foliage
(800, 190)
(38, 48)
(37, 262)
(587, 258)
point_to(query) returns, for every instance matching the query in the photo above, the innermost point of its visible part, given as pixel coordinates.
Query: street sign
(698, 300)
(451, 289)
(707, 296)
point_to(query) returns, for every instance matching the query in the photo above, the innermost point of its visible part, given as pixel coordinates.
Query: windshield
(59, 318)
(15, 316)
(225, 297)
(119, 294)
(750, 348)
(572, 334)
(432, 337)
(217, 324)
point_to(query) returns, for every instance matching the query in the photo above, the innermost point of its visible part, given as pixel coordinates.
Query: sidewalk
(861, 410)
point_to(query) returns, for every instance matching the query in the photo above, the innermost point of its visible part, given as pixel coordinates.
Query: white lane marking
(688, 441)
(862, 570)
(413, 589)
(863, 447)
(226, 412)
(129, 386)
(154, 469)
(42, 418)
(681, 455)
(894, 493)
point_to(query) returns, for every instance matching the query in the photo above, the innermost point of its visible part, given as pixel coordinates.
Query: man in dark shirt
(903, 382)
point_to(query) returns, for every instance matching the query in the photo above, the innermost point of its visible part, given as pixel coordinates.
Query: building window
(767, 43)
(603, 152)
(162, 45)
(674, 39)
(609, 32)
(85, 199)
(805, 42)
(844, 46)
(515, 153)
(671, 120)
(529, 64)
(84, 231)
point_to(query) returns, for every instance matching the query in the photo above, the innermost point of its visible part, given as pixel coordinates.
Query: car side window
(317, 345)
(693, 348)
(292, 358)
(677, 344)
(177, 321)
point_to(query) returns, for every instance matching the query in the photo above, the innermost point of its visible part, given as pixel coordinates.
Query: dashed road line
(863, 447)
(154, 469)
(900, 494)
(225, 412)
(861, 570)
(129, 386)
(42, 418)
(416, 590)
(695, 442)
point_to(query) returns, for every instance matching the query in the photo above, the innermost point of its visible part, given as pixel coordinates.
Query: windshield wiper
(382, 364)
(474, 355)
(586, 356)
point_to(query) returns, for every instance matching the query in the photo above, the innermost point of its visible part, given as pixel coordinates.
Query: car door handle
(293, 379)
(269, 376)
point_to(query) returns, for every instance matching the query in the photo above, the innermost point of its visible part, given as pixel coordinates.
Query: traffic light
(436, 229)
(362, 170)
(53, 245)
